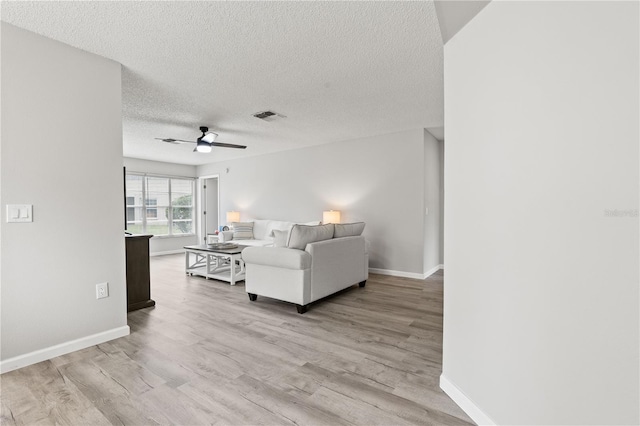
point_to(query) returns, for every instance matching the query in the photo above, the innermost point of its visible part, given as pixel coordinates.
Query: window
(131, 211)
(167, 204)
(152, 209)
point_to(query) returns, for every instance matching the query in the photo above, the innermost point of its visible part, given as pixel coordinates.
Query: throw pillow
(301, 235)
(348, 229)
(280, 238)
(242, 230)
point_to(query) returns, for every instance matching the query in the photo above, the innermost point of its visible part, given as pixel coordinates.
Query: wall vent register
(268, 115)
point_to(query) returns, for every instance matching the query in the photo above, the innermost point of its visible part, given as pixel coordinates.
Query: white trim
(433, 271)
(404, 274)
(162, 253)
(393, 273)
(62, 349)
(467, 405)
(201, 198)
(168, 237)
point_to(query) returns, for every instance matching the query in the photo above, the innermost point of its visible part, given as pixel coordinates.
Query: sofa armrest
(337, 251)
(337, 263)
(277, 257)
(225, 236)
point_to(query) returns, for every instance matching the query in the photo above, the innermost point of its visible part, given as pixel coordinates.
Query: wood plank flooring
(205, 354)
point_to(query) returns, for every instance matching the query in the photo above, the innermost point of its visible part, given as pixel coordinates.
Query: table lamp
(331, 216)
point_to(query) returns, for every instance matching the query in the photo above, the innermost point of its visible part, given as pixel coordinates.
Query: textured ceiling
(336, 70)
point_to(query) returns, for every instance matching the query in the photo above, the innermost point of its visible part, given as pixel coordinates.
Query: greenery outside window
(160, 205)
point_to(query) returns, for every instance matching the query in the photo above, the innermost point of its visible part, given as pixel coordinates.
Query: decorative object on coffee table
(222, 246)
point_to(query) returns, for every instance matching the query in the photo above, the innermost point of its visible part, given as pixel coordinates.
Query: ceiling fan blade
(174, 141)
(227, 145)
(168, 140)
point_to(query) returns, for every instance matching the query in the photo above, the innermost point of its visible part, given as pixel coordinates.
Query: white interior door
(209, 205)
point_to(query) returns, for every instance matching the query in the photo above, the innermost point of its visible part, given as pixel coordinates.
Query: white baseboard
(403, 274)
(467, 405)
(62, 349)
(433, 271)
(162, 253)
(393, 273)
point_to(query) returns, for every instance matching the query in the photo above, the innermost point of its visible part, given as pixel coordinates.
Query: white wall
(541, 290)
(61, 152)
(163, 245)
(378, 180)
(432, 192)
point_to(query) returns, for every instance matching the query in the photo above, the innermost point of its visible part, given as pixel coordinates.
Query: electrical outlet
(102, 290)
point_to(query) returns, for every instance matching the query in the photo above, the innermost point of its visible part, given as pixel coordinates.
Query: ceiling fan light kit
(203, 146)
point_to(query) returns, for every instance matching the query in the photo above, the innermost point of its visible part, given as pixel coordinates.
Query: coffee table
(215, 263)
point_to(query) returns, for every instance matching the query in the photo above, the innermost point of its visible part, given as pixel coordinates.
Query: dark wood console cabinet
(138, 273)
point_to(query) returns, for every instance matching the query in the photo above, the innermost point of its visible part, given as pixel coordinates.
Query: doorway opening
(209, 187)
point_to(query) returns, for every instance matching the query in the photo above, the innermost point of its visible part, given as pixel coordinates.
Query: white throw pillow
(261, 229)
(242, 230)
(301, 235)
(348, 229)
(280, 238)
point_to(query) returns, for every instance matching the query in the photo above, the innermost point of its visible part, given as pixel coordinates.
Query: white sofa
(302, 273)
(262, 232)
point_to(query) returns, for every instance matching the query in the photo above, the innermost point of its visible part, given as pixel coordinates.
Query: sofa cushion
(301, 235)
(255, 243)
(242, 230)
(348, 229)
(277, 257)
(312, 223)
(280, 238)
(261, 229)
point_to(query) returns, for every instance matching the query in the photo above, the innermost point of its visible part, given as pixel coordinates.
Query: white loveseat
(305, 270)
(261, 233)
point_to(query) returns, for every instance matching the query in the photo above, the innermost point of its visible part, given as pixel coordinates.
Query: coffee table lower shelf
(205, 262)
(221, 274)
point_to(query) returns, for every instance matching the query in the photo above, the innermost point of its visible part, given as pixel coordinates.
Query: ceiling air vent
(268, 115)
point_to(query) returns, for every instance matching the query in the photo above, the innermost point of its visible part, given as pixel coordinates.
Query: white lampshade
(331, 216)
(233, 216)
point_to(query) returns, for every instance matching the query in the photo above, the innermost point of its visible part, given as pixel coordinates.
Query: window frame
(170, 207)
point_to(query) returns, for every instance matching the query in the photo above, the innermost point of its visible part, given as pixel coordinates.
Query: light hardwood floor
(207, 355)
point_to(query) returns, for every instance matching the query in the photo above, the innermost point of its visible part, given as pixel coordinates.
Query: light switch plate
(19, 212)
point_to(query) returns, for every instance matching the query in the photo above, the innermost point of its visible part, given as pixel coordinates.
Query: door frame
(202, 229)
